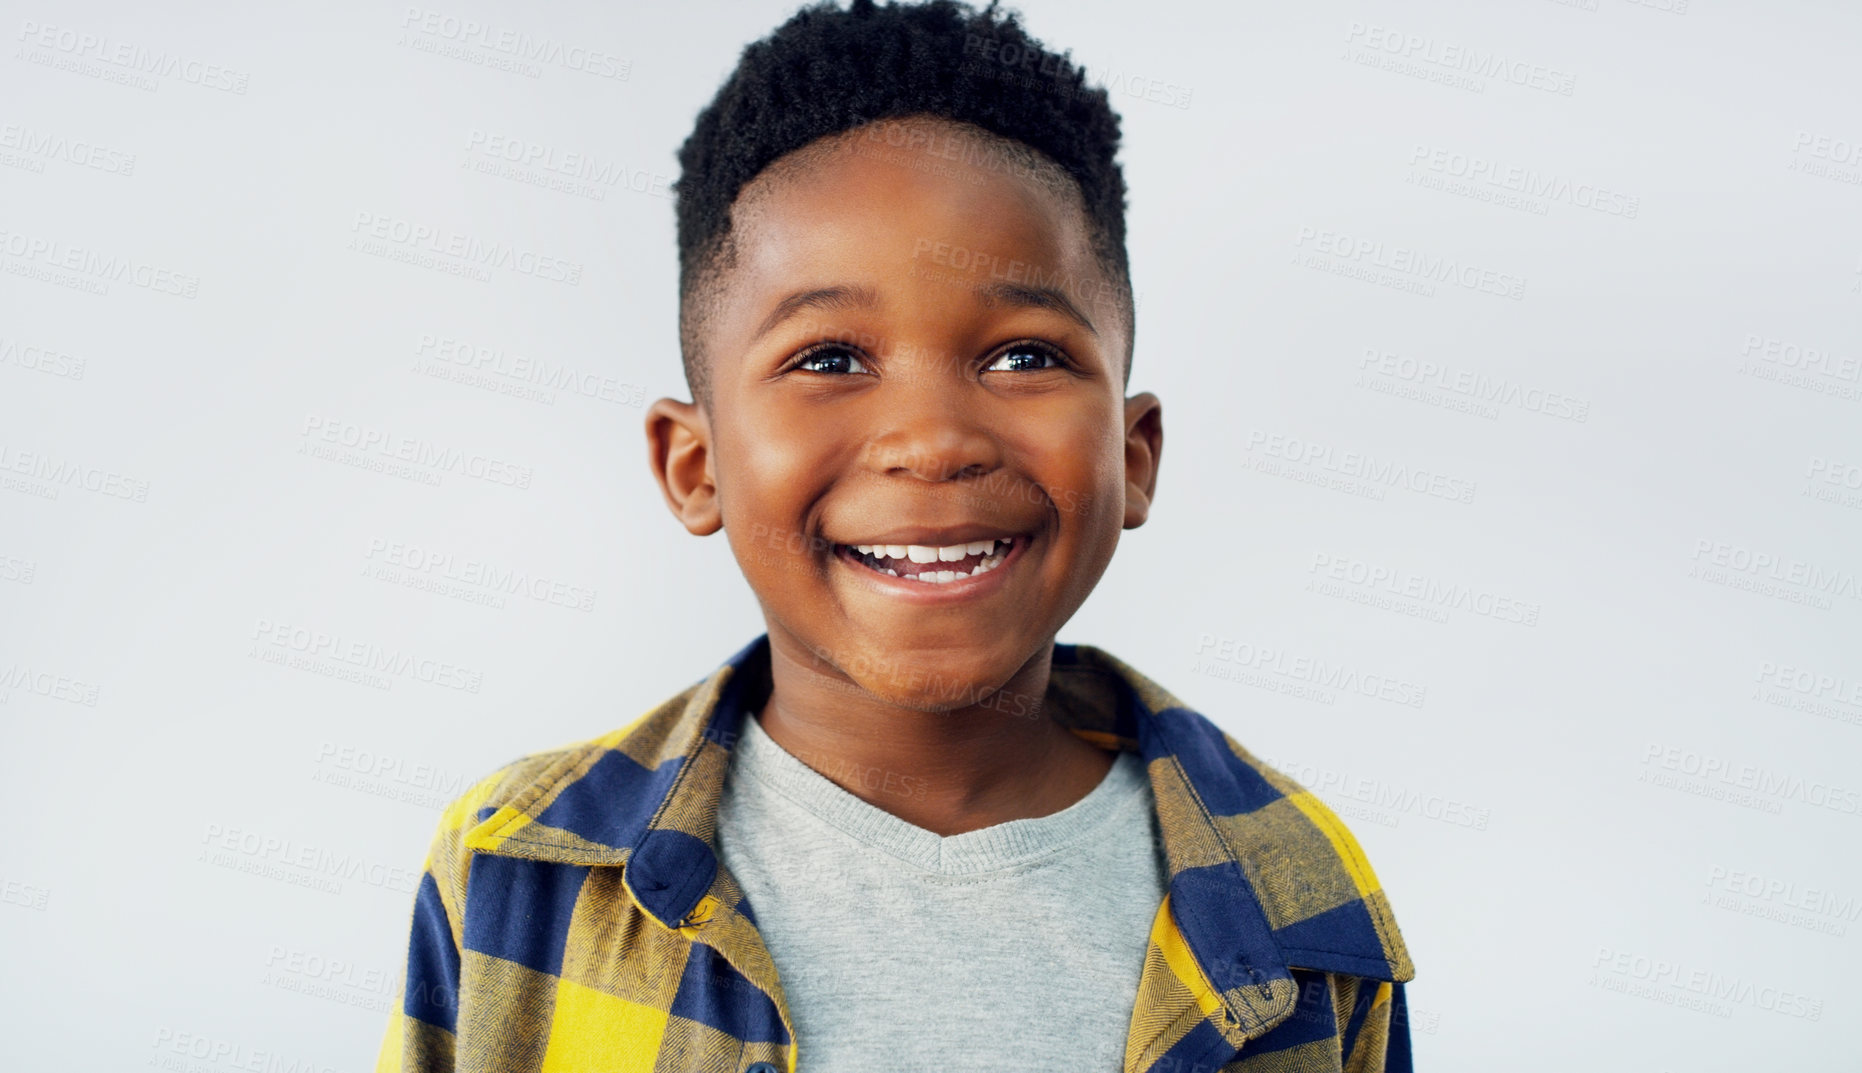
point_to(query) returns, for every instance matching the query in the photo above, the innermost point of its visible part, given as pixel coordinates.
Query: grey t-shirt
(1017, 946)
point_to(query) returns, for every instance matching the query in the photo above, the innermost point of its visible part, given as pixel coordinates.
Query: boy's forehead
(851, 203)
(913, 201)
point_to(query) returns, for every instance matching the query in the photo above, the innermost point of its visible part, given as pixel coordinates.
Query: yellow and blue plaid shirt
(573, 915)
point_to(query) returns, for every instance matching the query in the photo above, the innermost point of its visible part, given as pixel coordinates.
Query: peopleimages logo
(1424, 591)
(40, 359)
(38, 145)
(1717, 560)
(1804, 359)
(1484, 393)
(1718, 777)
(331, 979)
(278, 642)
(1361, 466)
(546, 373)
(329, 438)
(376, 233)
(1274, 662)
(174, 1049)
(428, 562)
(1665, 981)
(25, 678)
(480, 42)
(1818, 901)
(96, 269)
(570, 171)
(57, 473)
(1382, 802)
(1822, 686)
(1374, 254)
(1454, 56)
(1526, 182)
(130, 59)
(319, 861)
(388, 768)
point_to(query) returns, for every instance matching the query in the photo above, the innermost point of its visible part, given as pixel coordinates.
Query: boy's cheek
(771, 547)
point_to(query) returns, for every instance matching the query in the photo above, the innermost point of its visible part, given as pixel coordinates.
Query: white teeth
(924, 553)
(992, 550)
(944, 577)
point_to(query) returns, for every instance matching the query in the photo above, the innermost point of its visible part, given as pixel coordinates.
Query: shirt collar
(1263, 878)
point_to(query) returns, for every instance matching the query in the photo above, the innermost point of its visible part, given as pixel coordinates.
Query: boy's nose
(938, 443)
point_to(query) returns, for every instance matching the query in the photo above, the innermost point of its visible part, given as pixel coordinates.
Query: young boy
(904, 829)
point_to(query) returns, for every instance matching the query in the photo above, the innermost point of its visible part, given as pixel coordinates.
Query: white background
(1621, 836)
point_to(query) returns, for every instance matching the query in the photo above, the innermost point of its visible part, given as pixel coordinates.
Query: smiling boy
(904, 829)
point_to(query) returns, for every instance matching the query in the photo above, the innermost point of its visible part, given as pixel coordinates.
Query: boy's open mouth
(932, 565)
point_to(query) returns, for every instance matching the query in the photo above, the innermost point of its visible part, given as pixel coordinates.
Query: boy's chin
(937, 681)
(951, 696)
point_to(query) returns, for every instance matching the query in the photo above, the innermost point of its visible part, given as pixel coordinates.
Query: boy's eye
(1025, 357)
(832, 360)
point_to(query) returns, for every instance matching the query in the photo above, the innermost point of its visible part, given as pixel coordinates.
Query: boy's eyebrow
(856, 296)
(1016, 294)
(847, 296)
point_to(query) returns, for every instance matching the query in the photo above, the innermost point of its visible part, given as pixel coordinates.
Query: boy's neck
(1004, 758)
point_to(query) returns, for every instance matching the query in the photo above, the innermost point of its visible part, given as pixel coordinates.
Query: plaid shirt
(573, 916)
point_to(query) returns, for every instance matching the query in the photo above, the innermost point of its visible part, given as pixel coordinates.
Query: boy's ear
(679, 450)
(1144, 444)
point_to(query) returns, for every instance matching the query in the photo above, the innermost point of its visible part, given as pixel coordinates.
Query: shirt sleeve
(422, 1022)
(1376, 1037)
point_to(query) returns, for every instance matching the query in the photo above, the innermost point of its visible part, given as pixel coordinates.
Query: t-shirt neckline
(1010, 844)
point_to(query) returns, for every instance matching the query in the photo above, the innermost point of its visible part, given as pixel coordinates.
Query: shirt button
(761, 1067)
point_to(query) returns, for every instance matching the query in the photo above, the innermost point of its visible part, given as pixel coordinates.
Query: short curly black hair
(829, 70)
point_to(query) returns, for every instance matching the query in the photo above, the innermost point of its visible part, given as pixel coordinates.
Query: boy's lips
(936, 536)
(929, 572)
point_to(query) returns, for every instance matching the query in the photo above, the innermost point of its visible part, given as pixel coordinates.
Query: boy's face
(914, 345)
